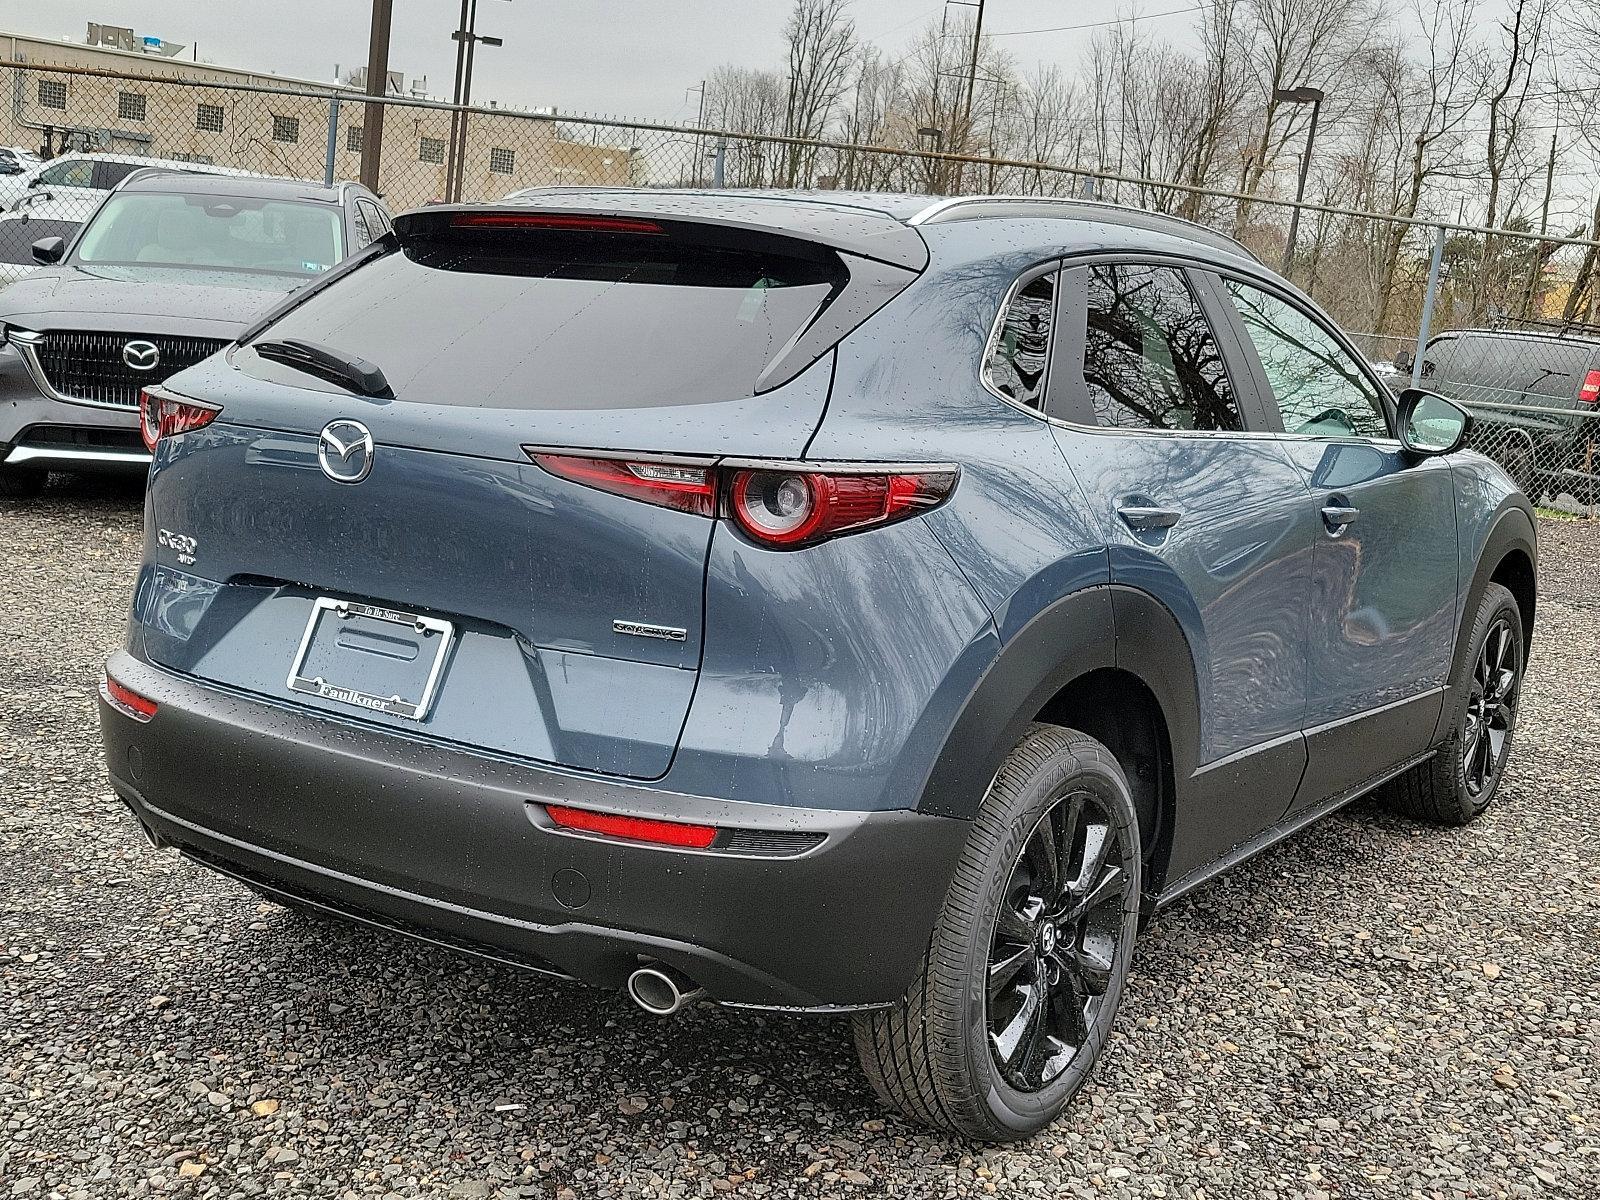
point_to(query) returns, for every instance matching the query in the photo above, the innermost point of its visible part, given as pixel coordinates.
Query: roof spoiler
(857, 232)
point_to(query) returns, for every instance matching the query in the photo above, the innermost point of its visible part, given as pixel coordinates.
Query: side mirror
(1431, 424)
(1402, 360)
(49, 250)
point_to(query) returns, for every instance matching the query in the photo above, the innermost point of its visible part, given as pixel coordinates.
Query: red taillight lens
(689, 489)
(161, 414)
(126, 700)
(635, 829)
(1590, 391)
(780, 506)
(786, 509)
(573, 222)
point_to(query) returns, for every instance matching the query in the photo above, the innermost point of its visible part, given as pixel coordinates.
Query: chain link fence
(1383, 276)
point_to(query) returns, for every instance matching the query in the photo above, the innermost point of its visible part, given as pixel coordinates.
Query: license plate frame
(395, 705)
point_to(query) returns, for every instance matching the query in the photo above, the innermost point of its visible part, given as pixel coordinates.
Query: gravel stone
(1375, 1009)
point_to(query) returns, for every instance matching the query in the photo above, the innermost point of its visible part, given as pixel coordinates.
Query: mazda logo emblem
(141, 355)
(344, 450)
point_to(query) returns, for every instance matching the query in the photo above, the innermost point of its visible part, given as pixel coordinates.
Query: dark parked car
(837, 604)
(169, 268)
(1533, 397)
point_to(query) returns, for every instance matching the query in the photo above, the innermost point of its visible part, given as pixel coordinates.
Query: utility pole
(699, 138)
(972, 83)
(377, 85)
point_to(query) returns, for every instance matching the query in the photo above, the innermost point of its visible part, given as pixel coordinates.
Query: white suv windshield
(239, 233)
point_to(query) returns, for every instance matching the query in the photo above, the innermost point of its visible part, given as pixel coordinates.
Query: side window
(1319, 388)
(74, 172)
(360, 233)
(376, 225)
(1150, 360)
(1021, 351)
(108, 174)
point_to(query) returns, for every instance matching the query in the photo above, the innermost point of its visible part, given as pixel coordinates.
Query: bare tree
(1428, 102)
(1294, 43)
(1524, 44)
(822, 46)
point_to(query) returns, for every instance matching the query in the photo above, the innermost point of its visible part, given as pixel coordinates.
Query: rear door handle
(1337, 516)
(1140, 516)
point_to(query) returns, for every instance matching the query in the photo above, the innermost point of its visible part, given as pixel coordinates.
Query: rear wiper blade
(357, 374)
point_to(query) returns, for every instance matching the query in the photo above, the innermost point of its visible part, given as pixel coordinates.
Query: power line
(1171, 12)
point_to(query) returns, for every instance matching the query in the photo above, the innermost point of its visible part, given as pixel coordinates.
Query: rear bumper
(456, 848)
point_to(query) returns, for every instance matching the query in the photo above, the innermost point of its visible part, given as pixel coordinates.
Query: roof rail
(1050, 206)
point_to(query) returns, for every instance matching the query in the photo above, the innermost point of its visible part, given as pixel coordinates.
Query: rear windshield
(568, 320)
(284, 237)
(1507, 370)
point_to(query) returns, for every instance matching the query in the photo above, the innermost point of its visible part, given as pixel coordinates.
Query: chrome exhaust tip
(157, 842)
(661, 990)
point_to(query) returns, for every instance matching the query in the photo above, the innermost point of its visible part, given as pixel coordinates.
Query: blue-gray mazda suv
(818, 603)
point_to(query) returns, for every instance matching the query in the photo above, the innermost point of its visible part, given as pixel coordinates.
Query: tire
(1462, 779)
(18, 483)
(930, 1056)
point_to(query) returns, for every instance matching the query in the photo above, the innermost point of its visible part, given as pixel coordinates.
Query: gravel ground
(1374, 1009)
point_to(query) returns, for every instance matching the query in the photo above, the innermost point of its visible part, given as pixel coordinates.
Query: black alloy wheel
(1055, 941)
(1491, 707)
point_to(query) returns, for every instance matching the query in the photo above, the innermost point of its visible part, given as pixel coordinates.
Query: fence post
(719, 164)
(1427, 305)
(333, 140)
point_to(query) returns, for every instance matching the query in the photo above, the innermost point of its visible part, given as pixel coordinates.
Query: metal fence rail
(1396, 278)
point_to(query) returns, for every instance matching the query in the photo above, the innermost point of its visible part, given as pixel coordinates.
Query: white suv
(78, 182)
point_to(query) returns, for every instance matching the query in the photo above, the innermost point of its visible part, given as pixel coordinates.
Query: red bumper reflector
(635, 829)
(127, 701)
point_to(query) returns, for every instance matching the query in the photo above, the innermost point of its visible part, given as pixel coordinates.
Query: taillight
(690, 489)
(790, 508)
(781, 505)
(634, 829)
(161, 414)
(125, 700)
(1590, 391)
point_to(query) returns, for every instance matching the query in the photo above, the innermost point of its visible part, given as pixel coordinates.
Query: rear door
(72, 187)
(1383, 595)
(1202, 513)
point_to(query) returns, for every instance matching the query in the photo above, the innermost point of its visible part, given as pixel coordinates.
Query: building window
(130, 106)
(431, 150)
(502, 161)
(285, 129)
(208, 117)
(52, 93)
(352, 139)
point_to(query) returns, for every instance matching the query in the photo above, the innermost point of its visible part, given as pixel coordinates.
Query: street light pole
(1314, 97)
(467, 38)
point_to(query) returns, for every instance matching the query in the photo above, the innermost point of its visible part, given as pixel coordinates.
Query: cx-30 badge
(141, 355)
(344, 450)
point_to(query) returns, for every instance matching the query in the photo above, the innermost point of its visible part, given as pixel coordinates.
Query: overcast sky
(623, 57)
